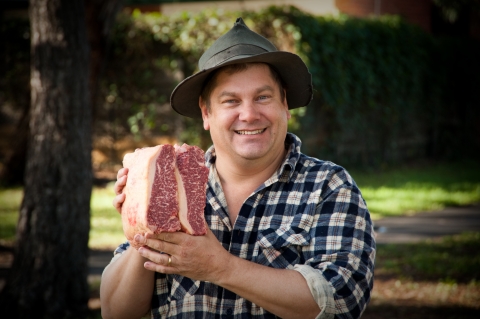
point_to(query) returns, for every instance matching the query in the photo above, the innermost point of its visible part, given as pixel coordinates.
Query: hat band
(228, 54)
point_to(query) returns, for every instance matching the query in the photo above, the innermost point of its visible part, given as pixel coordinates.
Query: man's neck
(242, 171)
(240, 178)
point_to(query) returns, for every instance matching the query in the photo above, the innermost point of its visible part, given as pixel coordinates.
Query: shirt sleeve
(339, 262)
(321, 290)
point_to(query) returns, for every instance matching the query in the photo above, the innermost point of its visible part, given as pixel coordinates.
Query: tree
(100, 17)
(48, 278)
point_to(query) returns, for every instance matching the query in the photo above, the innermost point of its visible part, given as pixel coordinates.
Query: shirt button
(229, 311)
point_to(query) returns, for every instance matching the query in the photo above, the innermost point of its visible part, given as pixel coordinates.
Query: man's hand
(197, 257)
(204, 258)
(118, 188)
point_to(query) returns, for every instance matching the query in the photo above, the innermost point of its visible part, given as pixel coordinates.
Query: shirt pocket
(281, 248)
(183, 287)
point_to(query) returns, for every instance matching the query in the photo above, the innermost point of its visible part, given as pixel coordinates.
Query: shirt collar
(293, 144)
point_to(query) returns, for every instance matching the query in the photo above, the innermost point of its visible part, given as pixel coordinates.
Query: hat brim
(291, 68)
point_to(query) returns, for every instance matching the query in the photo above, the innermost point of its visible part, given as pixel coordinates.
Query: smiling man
(289, 235)
(247, 113)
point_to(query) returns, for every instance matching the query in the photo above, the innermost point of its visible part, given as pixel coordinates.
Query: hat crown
(241, 39)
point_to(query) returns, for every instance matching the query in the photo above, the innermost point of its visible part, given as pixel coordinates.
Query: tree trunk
(100, 15)
(100, 18)
(48, 278)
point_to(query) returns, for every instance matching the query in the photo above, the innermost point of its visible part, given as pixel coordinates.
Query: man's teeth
(250, 132)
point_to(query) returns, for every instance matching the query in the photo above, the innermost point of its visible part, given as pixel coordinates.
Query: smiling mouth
(251, 132)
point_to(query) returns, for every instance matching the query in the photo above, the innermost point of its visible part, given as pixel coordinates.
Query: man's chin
(252, 154)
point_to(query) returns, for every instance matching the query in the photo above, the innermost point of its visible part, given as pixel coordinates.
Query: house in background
(438, 17)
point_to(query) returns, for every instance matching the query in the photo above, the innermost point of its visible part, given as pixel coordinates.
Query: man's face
(247, 118)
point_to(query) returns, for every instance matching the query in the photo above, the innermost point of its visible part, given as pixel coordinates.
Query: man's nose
(249, 112)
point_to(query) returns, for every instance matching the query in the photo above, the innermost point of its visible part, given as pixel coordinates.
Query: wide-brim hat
(242, 45)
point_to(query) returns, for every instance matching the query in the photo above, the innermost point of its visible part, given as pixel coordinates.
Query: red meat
(165, 191)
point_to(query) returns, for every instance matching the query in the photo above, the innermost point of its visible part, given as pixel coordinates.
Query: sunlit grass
(105, 223)
(386, 201)
(410, 190)
(10, 200)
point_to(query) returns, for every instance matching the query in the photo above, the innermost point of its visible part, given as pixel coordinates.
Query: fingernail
(139, 238)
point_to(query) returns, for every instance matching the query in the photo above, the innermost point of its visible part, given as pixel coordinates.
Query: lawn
(430, 279)
(408, 190)
(105, 223)
(390, 192)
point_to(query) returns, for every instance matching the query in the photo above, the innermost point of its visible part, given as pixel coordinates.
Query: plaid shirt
(309, 216)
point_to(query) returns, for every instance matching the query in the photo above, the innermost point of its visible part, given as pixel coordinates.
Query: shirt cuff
(321, 290)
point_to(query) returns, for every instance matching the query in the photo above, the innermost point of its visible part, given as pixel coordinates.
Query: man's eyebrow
(264, 88)
(226, 93)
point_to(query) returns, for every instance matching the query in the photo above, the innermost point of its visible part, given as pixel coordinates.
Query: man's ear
(203, 107)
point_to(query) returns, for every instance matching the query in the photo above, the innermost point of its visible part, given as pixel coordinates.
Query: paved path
(97, 261)
(431, 225)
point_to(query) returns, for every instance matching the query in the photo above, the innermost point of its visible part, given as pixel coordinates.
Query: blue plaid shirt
(309, 216)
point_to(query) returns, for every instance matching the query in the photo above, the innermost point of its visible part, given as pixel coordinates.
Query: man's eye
(262, 97)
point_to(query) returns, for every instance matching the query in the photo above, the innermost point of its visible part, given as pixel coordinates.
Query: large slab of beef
(165, 191)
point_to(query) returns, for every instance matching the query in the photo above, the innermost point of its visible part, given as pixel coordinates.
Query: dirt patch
(393, 298)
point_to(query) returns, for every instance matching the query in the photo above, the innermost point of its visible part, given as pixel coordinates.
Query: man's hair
(210, 83)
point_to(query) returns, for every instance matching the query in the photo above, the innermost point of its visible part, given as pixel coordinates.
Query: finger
(159, 268)
(173, 238)
(118, 202)
(149, 265)
(120, 184)
(140, 239)
(156, 257)
(121, 172)
(156, 243)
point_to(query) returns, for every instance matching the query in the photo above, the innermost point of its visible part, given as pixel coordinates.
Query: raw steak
(165, 191)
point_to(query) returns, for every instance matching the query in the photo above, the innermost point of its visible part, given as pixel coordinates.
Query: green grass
(409, 190)
(105, 224)
(10, 200)
(392, 192)
(454, 259)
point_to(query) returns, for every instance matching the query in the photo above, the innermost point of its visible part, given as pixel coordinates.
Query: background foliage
(385, 91)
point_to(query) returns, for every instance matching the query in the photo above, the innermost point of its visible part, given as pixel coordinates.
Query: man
(289, 235)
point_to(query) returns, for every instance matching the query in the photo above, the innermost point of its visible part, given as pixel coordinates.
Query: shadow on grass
(453, 259)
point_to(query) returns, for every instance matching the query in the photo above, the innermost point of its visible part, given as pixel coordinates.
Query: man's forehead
(232, 70)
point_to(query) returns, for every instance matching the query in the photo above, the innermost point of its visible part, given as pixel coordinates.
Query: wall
(316, 7)
(415, 11)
